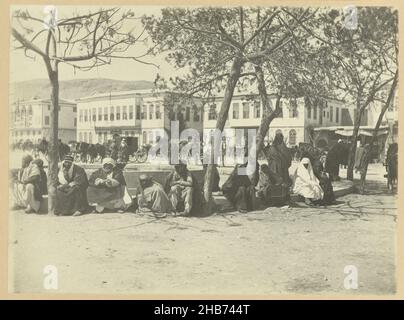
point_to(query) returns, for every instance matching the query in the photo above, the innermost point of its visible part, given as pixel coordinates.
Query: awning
(368, 133)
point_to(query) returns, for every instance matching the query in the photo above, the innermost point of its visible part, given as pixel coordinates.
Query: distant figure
(152, 197)
(240, 190)
(306, 183)
(107, 188)
(334, 158)
(123, 153)
(27, 190)
(72, 189)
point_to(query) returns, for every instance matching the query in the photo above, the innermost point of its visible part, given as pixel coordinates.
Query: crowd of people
(105, 189)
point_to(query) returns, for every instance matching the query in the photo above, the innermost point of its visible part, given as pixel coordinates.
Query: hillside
(73, 89)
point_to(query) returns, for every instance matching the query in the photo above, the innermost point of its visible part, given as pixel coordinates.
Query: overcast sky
(23, 68)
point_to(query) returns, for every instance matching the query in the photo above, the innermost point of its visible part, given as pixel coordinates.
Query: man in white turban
(107, 188)
(306, 184)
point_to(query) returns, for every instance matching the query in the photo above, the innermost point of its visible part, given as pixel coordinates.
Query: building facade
(296, 122)
(142, 114)
(30, 120)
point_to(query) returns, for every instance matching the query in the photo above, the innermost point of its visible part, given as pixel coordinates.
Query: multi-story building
(142, 114)
(297, 120)
(30, 120)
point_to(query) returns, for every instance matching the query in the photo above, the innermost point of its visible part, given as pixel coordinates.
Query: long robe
(306, 183)
(240, 190)
(27, 191)
(109, 197)
(334, 158)
(325, 183)
(279, 160)
(154, 198)
(271, 190)
(73, 195)
(190, 197)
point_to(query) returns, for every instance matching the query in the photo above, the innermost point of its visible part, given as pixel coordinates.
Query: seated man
(271, 189)
(179, 186)
(240, 190)
(152, 197)
(107, 188)
(71, 191)
(306, 184)
(324, 179)
(44, 179)
(27, 192)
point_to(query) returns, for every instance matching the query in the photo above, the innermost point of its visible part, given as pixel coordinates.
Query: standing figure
(324, 179)
(107, 188)
(279, 159)
(71, 191)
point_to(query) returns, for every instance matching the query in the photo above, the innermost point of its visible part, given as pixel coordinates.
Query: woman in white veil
(306, 183)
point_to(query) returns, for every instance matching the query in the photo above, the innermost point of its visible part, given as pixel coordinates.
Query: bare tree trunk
(267, 114)
(221, 120)
(352, 151)
(53, 151)
(374, 137)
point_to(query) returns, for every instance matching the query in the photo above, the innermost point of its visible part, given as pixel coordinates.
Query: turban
(108, 161)
(68, 158)
(305, 161)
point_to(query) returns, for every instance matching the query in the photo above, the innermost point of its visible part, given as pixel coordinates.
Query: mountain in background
(73, 89)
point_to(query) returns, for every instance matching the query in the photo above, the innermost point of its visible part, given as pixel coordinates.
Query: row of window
(26, 133)
(329, 114)
(212, 115)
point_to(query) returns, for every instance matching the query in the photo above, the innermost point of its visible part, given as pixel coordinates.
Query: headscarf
(306, 174)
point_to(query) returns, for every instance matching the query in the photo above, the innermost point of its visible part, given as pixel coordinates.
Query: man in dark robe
(279, 159)
(334, 157)
(271, 189)
(72, 189)
(240, 189)
(183, 191)
(107, 188)
(325, 182)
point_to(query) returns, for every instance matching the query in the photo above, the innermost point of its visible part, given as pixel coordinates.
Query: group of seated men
(106, 190)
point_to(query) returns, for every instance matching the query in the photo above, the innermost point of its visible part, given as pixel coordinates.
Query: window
(212, 112)
(336, 114)
(292, 137)
(111, 114)
(80, 137)
(106, 135)
(118, 113)
(331, 113)
(124, 113)
(144, 112)
(85, 137)
(144, 137)
(257, 109)
(151, 140)
(324, 114)
(187, 114)
(106, 114)
(246, 110)
(151, 111)
(309, 112)
(81, 116)
(196, 116)
(74, 109)
(30, 110)
(85, 115)
(90, 137)
(99, 137)
(47, 120)
(158, 114)
(131, 112)
(99, 114)
(293, 109)
(75, 122)
(48, 107)
(314, 112)
(236, 110)
(94, 114)
(137, 112)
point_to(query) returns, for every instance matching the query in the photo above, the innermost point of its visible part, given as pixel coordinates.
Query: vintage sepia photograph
(203, 150)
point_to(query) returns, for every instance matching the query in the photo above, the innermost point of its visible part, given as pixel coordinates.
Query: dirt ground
(279, 250)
